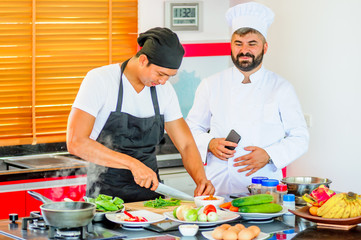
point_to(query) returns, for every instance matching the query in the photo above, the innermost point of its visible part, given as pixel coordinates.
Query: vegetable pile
(162, 203)
(260, 203)
(106, 203)
(187, 213)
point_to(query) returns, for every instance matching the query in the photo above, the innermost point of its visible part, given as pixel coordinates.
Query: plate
(150, 216)
(100, 216)
(304, 213)
(261, 235)
(261, 216)
(223, 216)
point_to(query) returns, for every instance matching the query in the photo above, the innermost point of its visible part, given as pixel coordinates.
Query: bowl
(188, 230)
(200, 201)
(301, 185)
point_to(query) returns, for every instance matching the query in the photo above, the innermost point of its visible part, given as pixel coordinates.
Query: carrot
(226, 205)
(233, 208)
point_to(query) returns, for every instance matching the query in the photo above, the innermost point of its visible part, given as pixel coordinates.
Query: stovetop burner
(34, 222)
(35, 227)
(71, 233)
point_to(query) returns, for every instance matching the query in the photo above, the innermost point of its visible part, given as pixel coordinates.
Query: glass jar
(269, 186)
(256, 185)
(289, 203)
(281, 191)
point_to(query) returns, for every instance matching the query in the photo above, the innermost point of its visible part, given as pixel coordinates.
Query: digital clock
(182, 16)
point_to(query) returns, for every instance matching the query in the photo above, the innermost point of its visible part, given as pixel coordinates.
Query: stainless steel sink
(41, 161)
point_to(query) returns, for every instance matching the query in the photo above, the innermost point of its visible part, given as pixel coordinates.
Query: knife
(172, 192)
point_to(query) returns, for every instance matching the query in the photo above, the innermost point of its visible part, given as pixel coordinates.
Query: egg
(240, 226)
(245, 234)
(256, 230)
(230, 235)
(218, 233)
(234, 229)
(225, 226)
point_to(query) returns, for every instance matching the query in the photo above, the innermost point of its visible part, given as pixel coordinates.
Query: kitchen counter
(283, 227)
(279, 228)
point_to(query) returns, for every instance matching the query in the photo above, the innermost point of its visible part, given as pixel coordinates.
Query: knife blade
(172, 192)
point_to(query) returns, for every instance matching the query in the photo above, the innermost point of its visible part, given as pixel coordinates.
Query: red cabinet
(22, 203)
(12, 202)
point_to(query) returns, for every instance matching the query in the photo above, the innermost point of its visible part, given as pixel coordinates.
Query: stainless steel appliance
(34, 227)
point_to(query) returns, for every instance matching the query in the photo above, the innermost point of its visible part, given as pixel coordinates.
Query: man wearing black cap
(120, 114)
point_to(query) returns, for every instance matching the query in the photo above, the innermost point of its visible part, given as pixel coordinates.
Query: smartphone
(233, 136)
(238, 195)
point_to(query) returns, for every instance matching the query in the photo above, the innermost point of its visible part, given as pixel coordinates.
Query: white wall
(214, 27)
(315, 45)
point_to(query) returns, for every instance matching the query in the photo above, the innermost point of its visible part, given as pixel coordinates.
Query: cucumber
(261, 208)
(252, 200)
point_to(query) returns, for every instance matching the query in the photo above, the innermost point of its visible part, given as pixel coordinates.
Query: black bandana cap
(162, 47)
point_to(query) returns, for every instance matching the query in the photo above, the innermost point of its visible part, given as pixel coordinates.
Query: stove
(35, 227)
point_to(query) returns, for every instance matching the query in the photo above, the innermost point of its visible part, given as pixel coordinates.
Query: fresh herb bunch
(162, 203)
(106, 203)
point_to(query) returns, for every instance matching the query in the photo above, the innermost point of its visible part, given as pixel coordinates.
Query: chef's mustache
(245, 55)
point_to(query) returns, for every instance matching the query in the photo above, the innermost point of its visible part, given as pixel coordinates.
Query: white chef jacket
(266, 113)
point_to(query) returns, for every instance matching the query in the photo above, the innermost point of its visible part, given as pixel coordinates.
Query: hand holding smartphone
(233, 136)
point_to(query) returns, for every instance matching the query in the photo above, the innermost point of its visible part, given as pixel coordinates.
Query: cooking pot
(301, 185)
(65, 214)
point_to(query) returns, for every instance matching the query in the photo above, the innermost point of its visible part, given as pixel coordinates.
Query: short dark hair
(245, 30)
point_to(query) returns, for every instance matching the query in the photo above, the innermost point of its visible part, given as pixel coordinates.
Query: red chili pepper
(134, 218)
(143, 219)
(128, 214)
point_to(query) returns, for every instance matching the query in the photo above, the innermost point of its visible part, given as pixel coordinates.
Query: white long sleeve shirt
(266, 113)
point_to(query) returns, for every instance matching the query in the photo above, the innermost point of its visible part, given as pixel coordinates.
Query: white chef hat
(253, 15)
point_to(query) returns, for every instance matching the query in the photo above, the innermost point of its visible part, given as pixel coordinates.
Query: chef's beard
(247, 66)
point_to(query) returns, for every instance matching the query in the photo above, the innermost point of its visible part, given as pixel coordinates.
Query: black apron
(136, 137)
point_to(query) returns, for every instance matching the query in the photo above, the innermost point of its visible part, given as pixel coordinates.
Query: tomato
(209, 208)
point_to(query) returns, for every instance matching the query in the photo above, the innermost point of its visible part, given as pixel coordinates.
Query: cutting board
(140, 206)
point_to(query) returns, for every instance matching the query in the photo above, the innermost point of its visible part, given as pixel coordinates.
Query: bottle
(281, 191)
(269, 186)
(289, 203)
(256, 185)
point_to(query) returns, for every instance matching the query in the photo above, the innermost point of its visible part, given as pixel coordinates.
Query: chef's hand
(205, 187)
(217, 146)
(254, 161)
(144, 176)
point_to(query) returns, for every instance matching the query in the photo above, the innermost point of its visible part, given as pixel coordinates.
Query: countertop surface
(287, 226)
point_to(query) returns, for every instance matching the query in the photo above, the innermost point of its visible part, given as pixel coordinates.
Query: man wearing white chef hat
(258, 104)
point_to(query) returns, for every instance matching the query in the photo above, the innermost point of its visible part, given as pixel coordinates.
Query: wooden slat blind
(43, 62)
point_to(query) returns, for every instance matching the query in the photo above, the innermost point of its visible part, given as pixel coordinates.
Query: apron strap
(155, 101)
(153, 92)
(120, 92)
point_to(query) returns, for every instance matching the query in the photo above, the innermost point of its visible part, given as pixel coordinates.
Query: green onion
(162, 203)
